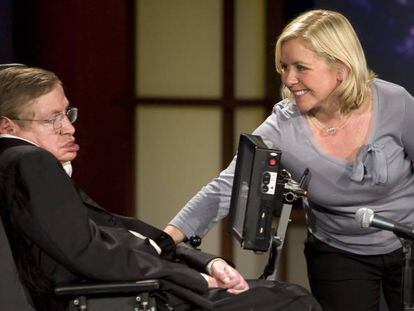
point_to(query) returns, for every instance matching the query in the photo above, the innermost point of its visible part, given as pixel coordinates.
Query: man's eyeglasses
(71, 113)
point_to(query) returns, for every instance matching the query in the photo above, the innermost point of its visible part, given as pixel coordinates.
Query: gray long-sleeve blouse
(381, 178)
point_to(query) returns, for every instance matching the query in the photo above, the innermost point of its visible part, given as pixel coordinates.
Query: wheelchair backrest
(12, 293)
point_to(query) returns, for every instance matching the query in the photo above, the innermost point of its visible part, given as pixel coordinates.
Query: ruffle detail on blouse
(371, 164)
(286, 109)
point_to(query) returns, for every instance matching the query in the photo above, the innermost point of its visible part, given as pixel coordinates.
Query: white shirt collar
(16, 137)
(67, 166)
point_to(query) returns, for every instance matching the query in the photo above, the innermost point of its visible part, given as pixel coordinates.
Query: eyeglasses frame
(53, 120)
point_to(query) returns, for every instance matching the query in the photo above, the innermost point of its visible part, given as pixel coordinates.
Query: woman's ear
(7, 126)
(342, 72)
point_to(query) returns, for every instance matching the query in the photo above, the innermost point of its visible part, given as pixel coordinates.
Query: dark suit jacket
(72, 237)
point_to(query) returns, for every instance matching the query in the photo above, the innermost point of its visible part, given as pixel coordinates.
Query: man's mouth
(71, 146)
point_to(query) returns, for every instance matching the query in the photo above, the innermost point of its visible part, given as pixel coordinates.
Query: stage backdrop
(386, 30)
(6, 49)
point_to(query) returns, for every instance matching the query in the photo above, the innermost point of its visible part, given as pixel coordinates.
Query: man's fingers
(228, 277)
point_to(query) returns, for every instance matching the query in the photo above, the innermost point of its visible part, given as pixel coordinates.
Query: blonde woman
(353, 131)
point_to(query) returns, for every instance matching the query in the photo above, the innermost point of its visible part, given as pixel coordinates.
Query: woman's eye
(300, 68)
(283, 66)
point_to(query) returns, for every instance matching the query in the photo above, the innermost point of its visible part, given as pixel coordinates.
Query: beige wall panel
(248, 263)
(250, 48)
(296, 268)
(246, 120)
(178, 48)
(178, 152)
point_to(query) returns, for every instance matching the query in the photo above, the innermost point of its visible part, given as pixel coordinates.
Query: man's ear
(7, 126)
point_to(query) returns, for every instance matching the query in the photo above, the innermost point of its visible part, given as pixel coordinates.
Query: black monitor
(255, 195)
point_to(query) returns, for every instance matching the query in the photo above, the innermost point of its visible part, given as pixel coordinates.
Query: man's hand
(227, 277)
(212, 282)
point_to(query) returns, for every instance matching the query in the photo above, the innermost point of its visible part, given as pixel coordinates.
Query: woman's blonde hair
(330, 35)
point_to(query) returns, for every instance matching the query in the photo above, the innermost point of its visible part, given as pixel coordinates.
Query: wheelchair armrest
(107, 288)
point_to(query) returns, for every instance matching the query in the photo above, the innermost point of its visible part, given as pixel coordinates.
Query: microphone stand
(407, 275)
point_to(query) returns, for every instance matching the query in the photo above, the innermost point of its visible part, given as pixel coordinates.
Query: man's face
(59, 142)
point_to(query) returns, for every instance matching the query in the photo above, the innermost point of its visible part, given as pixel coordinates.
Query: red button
(272, 161)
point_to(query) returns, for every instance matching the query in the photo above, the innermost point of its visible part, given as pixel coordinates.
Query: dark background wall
(6, 50)
(88, 45)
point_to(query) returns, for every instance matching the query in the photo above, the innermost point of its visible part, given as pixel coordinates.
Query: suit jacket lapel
(88, 201)
(160, 237)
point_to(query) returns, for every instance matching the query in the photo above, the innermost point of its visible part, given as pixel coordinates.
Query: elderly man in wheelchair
(65, 245)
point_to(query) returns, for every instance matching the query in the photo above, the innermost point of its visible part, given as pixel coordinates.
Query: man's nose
(67, 126)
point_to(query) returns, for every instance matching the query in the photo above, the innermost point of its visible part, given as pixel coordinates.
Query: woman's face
(309, 77)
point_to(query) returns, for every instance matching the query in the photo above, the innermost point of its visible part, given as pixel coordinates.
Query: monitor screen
(255, 193)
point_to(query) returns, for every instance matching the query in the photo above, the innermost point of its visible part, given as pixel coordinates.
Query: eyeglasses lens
(72, 114)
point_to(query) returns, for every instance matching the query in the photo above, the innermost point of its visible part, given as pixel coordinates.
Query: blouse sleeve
(408, 125)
